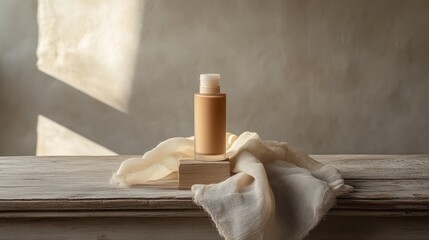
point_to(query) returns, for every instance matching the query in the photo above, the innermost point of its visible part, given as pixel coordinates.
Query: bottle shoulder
(210, 95)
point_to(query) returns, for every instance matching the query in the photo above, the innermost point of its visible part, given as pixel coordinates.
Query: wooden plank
(374, 194)
(108, 228)
(395, 184)
(389, 189)
(71, 178)
(134, 228)
(371, 228)
(379, 166)
(96, 204)
(144, 213)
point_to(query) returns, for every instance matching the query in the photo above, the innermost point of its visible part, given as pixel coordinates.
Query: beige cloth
(278, 191)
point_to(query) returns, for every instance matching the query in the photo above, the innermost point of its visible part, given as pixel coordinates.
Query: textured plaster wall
(329, 76)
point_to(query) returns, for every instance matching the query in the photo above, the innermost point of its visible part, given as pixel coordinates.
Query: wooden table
(70, 198)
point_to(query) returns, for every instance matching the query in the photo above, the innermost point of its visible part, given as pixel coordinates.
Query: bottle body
(210, 126)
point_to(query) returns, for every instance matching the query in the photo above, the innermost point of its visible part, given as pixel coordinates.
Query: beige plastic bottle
(210, 119)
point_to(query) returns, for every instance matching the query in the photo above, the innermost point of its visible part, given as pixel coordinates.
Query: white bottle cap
(210, 83)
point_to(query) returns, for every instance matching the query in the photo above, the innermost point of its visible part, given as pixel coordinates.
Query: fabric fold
(277, 191)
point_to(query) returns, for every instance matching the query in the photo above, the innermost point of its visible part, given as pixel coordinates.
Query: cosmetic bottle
(210, 119)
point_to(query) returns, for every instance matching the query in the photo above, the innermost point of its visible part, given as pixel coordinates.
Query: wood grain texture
(132, 228)
(108, 228)
(385, 185)
(202, 172)
(71, 198)
(379, 166)
(370, 228)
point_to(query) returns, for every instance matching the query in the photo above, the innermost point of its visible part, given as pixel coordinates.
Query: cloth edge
(196, 188)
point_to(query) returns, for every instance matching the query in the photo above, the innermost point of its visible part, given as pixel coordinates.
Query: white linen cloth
(277, 192)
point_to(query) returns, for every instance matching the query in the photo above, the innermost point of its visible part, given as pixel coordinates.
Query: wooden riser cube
(192, 172)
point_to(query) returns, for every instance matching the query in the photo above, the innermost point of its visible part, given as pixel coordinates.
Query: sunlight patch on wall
(91, 46)
(53, 139)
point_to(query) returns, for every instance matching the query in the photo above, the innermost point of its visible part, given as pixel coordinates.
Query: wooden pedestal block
(192, 172)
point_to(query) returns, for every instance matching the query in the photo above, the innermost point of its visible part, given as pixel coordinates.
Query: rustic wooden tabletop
(61, 187)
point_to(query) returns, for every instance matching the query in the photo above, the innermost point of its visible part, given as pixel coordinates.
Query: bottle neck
(209, 90)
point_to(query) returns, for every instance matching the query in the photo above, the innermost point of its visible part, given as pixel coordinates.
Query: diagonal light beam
(53, 139)
(91, 46)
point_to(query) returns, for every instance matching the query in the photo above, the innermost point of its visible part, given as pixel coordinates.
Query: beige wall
(329, 76)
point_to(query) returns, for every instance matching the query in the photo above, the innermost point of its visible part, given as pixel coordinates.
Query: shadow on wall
(330, 77)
